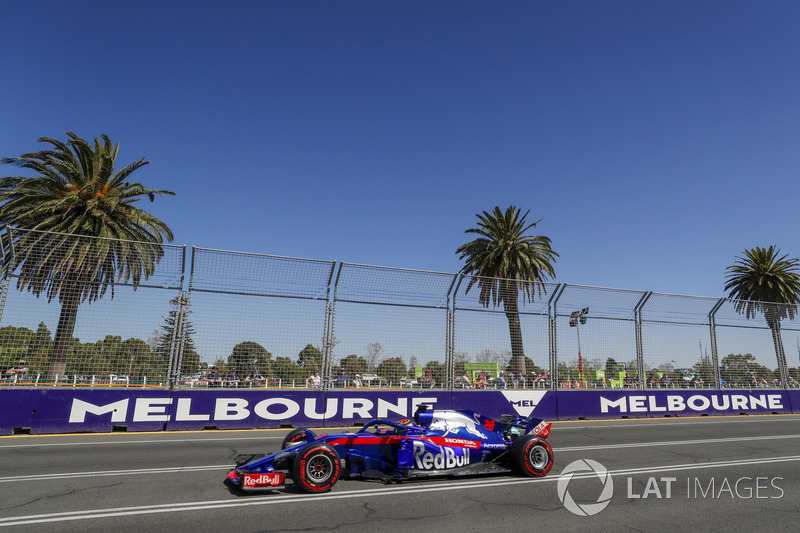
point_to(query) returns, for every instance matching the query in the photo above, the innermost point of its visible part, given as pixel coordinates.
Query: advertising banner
(493, 404)
(574, 405)
(40, 411)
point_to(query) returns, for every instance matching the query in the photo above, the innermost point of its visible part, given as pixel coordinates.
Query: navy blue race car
(437, 442)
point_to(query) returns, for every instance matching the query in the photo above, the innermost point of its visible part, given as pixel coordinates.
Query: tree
(763, 282)
(353, 364)
(529, 365)
(737, 368)
(184, 347)
(438, 371)
(39, 348)
(392, 369)
(249, 355)
(15, 345)
(286, 370)
(76, 191)
(310, 358)
(506, 264)
(374, 351)
(704, 368)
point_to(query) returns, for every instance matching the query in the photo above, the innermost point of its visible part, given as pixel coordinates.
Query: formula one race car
(435, 443)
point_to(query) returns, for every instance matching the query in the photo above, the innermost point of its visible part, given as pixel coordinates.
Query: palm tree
(763, 282)
(506, 264)
(75, 230)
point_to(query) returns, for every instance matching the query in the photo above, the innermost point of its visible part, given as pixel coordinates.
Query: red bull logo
(262, 480)
(426, 458)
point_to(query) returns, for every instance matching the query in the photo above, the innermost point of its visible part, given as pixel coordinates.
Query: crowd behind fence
(235, 319)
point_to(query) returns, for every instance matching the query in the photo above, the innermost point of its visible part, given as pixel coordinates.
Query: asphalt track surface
(681, 474)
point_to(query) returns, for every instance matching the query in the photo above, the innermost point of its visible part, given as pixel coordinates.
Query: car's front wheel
(316, 468)
(532, 454)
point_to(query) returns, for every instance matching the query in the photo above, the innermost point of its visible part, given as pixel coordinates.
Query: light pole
(576, 318)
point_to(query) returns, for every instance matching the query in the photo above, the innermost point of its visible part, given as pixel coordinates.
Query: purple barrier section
(71, 411)
(794, 400)
(574, 405)
(245, 408)
(521, 402)
(344, 408)
(234, 409)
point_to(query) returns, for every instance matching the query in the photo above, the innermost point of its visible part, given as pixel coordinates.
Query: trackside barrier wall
(38, 411)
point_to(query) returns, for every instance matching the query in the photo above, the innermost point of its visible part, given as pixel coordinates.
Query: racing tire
(532, 455)
(294, 437)
(316, 468)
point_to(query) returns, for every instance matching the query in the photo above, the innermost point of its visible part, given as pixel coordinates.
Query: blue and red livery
(437, 442)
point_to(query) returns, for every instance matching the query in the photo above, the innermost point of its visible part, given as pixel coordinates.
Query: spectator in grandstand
(665, 382)
(255, 378)
(232, 379)
(427, 379)
(20, 370)
(314, 380)
(519, 381)
(501, 381)
(341, 379)
(463, 381)
(357, 381)
(213, 378)
(480, 383)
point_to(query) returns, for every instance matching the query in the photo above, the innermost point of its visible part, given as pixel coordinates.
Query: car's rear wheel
(316, 468)
(533, 456)
(296, 436)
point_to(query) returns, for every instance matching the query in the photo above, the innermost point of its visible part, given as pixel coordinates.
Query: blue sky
(655, 140)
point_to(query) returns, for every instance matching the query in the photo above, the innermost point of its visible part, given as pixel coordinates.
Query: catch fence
(86, 312)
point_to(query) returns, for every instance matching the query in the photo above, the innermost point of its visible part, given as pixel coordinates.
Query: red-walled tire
(294, 437)
(532, 455)
(316, 468)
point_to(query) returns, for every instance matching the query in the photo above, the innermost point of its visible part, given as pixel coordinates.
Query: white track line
(672, 443)
(389, 491)
(116, 442)
(632, 423)
(228, 466)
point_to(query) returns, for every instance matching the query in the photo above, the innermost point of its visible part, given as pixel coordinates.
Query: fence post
(449, 364)
(450, 333)
(712, 327)
(176, 343)
(551, 334)
(637, 318)
(327, 348)
(782, 363)
(6, 270)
